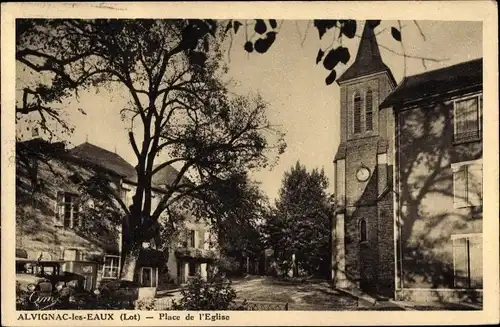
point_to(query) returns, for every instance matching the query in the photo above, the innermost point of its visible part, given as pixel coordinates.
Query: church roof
(463, 76)
(368, 60)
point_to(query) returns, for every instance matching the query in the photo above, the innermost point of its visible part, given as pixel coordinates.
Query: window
(369, 110)
(35, 132)
(201, 239)
(192, 269)
(362, 230)
(111, 266)
(467, 260)
(357, 113)
(67, 210)
(467, 119)
(467, 184)
(191, 238)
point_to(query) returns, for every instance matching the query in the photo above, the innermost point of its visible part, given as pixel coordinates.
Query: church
(408, 181)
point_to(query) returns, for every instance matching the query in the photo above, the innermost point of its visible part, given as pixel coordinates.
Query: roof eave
(403, 104)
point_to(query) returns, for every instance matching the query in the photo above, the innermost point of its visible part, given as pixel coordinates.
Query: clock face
(363, 174)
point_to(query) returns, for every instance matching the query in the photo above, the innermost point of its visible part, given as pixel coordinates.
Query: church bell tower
(363, 229)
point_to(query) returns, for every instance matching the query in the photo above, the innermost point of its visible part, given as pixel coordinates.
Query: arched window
(357, 112)
(362, 230)
(369, 110)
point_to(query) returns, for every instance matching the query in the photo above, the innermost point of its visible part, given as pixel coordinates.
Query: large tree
(179, 108)
(300, 223)
(238, 205)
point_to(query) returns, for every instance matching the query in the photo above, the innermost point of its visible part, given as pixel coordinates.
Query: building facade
(408, 181)
(62, 215)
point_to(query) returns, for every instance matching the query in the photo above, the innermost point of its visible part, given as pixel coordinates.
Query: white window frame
(467, 237)
(104, 266)
(479, 117)
(456, 167)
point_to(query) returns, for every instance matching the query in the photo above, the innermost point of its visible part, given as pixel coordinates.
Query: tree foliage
(265, 33)
(172, 75)
(238, 205)
(300, 222)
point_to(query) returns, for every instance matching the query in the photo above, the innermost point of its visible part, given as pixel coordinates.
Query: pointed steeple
(368, 60)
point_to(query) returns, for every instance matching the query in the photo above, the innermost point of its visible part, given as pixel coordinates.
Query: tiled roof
(105, 159)
(466, 75)
(114, 162)
(167, 176)
(368, 60)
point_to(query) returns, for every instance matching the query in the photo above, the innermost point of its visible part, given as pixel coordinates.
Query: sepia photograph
(162, 166)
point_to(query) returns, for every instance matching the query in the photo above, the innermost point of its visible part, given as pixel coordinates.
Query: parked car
(48, 287)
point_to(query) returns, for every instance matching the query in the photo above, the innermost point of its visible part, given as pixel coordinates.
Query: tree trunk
(129, 260)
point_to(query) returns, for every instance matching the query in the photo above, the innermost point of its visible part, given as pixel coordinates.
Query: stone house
(62, 215)
(408, 223)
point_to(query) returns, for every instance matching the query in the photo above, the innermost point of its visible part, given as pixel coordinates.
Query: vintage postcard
(249, 164)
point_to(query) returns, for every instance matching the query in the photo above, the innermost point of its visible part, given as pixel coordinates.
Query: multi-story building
(63, 214)
(409, 181)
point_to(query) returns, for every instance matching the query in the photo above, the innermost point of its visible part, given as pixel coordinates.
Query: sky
(288, 78)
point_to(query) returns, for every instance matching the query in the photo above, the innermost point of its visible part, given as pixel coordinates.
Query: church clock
(362, 174)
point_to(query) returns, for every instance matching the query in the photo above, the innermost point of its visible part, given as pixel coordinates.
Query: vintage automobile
(48, 287)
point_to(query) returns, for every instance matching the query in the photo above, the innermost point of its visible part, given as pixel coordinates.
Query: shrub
(216, 294)
(146, 304)
(229, 265)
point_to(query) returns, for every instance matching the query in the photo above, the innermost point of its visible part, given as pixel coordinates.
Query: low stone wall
(472, 296)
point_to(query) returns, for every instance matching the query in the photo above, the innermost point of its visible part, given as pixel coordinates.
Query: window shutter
(369, 110)
(186, 238)
(357, 113)
(77, 214)
(476, 261)
(60, 206)
(206, 237)
(467, 119)
(460, 187)
(460, 262)
(475, 185)
(201, 239)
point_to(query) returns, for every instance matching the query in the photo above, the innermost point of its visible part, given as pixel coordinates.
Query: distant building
(408, 223)
(59, 217)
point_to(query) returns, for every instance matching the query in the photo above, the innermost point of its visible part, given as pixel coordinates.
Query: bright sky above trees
(294, 86)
